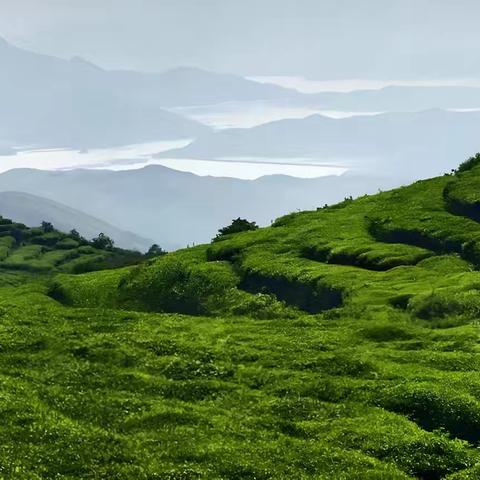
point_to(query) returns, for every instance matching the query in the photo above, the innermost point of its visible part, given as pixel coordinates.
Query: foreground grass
(96, 393)
(338, 344)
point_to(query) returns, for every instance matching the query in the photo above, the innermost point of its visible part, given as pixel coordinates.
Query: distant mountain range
(187, 86)
(398, 99)
(48, 102)
(418, 144)
(52, 102)
(32, 210)
(175, 208)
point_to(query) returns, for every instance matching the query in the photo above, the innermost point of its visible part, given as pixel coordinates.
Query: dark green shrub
(309, 296)
(440, 305)
(341, 364)
(433, 305)
(50, 238)
(155, 251)
(238, 225)
(67, 244)
(386, 333)
(103, 242)
(469, 163)
(432, 409)
(262, 306)
(172, 285)
(47, 227)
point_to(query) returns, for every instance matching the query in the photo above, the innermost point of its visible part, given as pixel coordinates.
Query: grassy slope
(340, 343)
(33, 250)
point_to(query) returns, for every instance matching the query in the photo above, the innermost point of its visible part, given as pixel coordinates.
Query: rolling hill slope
(337, 343)
(45, 250)
(373, 240)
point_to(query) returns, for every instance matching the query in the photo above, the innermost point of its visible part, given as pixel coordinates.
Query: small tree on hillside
(238, 225)
(155, 251)
(469, 164)
(47, 227)
(75, 235)
(103, 242)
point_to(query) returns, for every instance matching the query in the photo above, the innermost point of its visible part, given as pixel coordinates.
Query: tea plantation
(341, 343)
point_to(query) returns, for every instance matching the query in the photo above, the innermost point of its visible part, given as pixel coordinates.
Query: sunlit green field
(341, 343)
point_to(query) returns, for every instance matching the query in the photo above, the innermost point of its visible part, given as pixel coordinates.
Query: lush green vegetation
(341, 343)
(44, 249)
(238, 225)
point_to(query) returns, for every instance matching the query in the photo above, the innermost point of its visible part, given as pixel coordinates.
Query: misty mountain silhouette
(398, 99)
(32, 210)
(177, 208)
(188, 86)
(423, 143)
(53, 102)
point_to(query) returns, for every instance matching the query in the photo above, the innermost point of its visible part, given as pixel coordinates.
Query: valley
(239, 240)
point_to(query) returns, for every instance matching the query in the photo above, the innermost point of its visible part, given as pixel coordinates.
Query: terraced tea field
(341, 343)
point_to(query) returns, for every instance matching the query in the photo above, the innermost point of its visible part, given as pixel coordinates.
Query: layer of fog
(306, 85)
(254, 113)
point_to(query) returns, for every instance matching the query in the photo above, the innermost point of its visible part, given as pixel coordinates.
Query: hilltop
(338, 343)
(45, 250)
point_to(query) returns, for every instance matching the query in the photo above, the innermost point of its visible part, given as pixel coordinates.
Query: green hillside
(46, 250)
(341, 343)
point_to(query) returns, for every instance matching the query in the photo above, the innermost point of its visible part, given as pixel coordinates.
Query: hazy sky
(322, 39)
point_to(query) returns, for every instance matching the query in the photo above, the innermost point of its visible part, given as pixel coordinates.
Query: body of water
(64, 159)
(137, 156)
